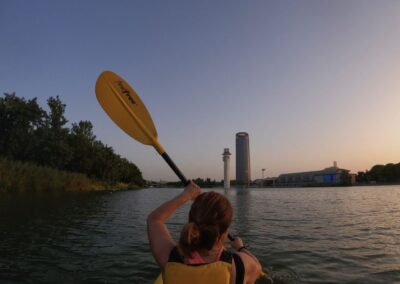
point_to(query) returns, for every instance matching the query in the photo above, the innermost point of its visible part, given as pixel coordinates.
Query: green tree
(389, 172)
(20, 121)
(54, 149)
(376, 173)
(81, 140)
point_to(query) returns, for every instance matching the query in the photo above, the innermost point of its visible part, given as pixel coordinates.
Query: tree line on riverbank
(204, 183)
(389, 173)
(41, 138)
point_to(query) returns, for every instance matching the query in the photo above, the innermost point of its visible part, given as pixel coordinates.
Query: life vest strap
(175, 256)
(239, 269)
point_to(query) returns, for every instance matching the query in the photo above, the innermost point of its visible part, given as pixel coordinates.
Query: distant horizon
(266, 177)
(312, 82)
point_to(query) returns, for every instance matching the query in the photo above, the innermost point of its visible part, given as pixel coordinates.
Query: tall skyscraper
(242, 158)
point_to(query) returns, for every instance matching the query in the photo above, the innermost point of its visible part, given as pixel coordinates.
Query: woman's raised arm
(161, 242)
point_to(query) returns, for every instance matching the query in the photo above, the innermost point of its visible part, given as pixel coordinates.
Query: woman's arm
(251, 264)
(161, 242)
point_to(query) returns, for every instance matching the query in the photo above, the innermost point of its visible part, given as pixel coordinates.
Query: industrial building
(242, 158)
(326, 177)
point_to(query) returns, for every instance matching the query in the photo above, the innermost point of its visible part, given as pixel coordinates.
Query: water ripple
(303, 235)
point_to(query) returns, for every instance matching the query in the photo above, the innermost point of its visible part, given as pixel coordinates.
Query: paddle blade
(125, 107)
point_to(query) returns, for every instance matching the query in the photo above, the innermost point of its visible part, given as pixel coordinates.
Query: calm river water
(319, 235)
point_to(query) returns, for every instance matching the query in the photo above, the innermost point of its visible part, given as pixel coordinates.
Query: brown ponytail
(209, 217)
(190, 234)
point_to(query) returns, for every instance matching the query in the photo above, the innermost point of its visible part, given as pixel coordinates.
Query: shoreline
(25, 177)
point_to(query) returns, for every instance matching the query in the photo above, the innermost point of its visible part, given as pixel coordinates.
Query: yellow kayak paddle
(120, 101)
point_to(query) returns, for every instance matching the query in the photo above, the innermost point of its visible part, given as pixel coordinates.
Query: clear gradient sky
(310, 81)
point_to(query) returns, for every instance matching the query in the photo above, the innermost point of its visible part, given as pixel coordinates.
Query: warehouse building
(326, 177)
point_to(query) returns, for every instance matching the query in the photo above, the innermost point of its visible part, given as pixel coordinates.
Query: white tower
(226, 157)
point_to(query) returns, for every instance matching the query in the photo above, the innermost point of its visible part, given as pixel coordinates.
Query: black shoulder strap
(226, 256)
(239, 269)
(174, 256)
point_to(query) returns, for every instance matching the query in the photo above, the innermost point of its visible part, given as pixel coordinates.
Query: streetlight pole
(262, 182)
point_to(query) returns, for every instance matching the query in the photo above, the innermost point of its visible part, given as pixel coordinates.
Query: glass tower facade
(242, 158)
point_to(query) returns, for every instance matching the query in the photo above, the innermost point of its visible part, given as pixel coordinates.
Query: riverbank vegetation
(25, 177)
(203, 183)
(37, 145)
(389, 173)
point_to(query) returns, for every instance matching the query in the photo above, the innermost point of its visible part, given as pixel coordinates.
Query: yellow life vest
(215, 272)
(177, 272)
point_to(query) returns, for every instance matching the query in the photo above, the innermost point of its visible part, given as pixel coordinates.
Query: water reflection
(335, 235)
(241, 204)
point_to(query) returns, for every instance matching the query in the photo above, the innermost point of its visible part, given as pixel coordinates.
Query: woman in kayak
(199, 256)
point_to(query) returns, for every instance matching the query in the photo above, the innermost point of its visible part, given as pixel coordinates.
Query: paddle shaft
(176, 170)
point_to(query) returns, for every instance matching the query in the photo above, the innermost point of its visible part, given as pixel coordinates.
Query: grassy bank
(22, 177)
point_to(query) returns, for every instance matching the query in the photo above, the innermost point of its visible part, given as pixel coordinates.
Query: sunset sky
(312, 82)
